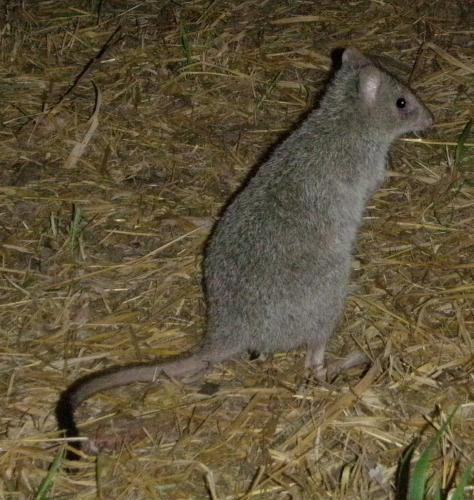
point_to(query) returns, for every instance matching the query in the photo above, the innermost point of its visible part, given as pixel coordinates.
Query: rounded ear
(369, 84)
(355, 58)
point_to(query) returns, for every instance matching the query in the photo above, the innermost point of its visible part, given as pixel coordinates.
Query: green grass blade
(183, 38)
(403, 472)
(48, 481)
(420, 472)
(467, 479)
(437, 493)
(75, 228)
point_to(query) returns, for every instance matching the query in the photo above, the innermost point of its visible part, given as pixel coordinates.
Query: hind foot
(315, 362)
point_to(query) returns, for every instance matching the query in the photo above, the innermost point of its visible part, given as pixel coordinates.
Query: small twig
(87, 68)
(416, 64)
(80, 147)
(428, 36)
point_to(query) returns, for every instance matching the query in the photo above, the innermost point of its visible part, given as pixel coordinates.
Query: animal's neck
(346, 150)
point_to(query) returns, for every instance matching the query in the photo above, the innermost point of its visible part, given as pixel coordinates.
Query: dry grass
(119, 147)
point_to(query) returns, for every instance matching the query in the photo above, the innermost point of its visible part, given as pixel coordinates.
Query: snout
(426, 120)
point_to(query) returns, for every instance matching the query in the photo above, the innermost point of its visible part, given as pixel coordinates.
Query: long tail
(85, 387)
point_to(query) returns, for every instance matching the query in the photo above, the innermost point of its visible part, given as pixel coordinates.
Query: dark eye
(401, 103)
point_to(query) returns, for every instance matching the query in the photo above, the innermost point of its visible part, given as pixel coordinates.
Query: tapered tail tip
(66, 424)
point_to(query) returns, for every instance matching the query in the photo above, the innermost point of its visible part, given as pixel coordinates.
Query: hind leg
(315, 360)
(323, 327)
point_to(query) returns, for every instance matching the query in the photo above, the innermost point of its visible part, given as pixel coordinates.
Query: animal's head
(384, 104)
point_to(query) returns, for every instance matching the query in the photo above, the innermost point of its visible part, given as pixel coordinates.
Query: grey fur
(278, 263)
